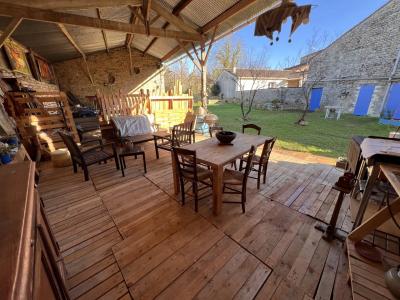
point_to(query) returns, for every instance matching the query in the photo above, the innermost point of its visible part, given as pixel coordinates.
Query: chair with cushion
(181, 136)
(260, 162)
(245, 127)
(189, 171)
(235, 182)
(90, 156)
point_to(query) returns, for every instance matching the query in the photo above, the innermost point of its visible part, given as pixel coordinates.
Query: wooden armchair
(251, 126)
(181, 135)
(90, 156)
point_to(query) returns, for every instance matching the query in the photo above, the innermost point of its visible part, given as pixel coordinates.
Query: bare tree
(249, 84)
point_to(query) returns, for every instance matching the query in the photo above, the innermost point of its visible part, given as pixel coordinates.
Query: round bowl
(225, 137)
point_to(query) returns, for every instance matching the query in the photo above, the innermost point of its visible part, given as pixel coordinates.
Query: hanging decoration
(273, 19)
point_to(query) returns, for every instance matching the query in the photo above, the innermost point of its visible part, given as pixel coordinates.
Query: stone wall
(363, 55)
(72, 75)
(285, 98)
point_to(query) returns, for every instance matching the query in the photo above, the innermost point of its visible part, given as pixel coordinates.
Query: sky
(328, 20)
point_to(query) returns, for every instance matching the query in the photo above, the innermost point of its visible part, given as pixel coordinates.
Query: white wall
(227, 85)
(252, 84)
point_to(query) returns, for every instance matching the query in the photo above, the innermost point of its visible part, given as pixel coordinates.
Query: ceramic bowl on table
(225, 137)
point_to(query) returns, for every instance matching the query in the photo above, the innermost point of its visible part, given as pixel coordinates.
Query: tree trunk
(204, 100)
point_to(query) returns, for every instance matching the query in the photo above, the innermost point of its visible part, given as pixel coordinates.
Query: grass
(326, 137)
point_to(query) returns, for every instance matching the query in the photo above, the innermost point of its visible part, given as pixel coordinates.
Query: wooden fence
(167, 110)
(47, 111)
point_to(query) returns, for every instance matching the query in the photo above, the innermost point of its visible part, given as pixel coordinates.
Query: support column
(203, 71)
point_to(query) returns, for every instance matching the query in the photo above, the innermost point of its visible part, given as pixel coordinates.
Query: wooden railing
(167, 110)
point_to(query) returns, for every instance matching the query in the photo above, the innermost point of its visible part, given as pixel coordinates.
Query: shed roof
(46, 38)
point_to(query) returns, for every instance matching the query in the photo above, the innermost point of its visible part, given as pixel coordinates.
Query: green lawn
(321, 136)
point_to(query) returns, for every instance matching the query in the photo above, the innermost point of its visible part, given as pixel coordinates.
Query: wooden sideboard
(30, 267)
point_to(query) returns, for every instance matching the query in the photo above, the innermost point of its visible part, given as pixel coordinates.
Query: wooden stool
(60, 158)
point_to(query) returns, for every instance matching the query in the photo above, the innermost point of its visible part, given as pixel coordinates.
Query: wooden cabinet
(29, 258)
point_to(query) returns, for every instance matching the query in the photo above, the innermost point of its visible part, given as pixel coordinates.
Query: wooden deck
(129, 237)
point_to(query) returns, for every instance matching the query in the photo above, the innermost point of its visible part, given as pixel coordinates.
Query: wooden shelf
(367, 277)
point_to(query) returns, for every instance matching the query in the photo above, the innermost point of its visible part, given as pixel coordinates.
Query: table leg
(175, 174)
(366, 194)
(218, 172)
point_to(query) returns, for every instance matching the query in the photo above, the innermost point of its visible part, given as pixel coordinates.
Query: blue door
(364, 99)
(315, 101)
(392, 106)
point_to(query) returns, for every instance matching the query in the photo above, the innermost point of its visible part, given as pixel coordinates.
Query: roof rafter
(175, 11)
(66, 33)
(102, 31)
(73, 4)
(10, 29)
(71, 19)
(231, 11)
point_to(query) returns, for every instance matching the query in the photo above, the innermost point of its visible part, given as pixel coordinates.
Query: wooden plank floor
(128, 237)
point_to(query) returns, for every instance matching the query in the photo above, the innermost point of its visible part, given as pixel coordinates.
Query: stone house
(359, 71)
(232, 82)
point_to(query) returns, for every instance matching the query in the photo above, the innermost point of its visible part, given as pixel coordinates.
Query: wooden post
(203, 71)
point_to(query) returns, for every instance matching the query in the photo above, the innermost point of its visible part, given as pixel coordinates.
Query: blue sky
(330, 18)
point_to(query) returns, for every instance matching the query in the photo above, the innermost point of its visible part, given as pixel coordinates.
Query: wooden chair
(214, 129)
(251, 126)
(260, 162)
(232, 178)
(190, 171)
(90, 156)
(181, 136)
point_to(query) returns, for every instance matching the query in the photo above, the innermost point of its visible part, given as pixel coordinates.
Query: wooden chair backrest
(251, 126)
(249, 164)
(267, 149)
(213, 129)
(186, 162)
(73, 148)
(182, 134)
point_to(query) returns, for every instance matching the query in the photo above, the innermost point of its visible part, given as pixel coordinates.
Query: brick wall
(365, 54)
(72, 75)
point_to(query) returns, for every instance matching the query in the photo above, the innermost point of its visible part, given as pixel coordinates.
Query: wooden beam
(135, 11)
(71, 19)
(73, 4)
(233, 10)
(10, 29)
(146, 9)
(102, 31)
(174, 20)
(77, 48)
(214, 22)
(175, 11)
(210, 44)
(152, 21)
(196, 63)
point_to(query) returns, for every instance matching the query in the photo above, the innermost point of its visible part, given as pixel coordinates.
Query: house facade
(232, 82)
(359, 71)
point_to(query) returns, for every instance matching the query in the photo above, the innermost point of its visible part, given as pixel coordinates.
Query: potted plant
(5, 153)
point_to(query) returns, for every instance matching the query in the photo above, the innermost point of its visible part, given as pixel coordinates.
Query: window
(272, 85)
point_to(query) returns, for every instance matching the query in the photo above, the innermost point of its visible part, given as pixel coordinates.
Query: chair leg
(244, 201)
(182, 191)
(85, 172)
(123, 160)
(258, 177)
(156, 148)
(196, 198)
(122, 166)
(75, 166)
(144, 163)
(241, 165)
(265, 173)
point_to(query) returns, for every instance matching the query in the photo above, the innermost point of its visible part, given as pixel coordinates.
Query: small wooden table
(211, 153)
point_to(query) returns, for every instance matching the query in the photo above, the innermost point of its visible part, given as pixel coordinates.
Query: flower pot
(5, 158)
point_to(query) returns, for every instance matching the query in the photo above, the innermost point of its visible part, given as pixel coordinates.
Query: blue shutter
(315, 101)
(364, 99)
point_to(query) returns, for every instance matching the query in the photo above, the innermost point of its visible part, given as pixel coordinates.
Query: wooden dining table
(211, 153)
